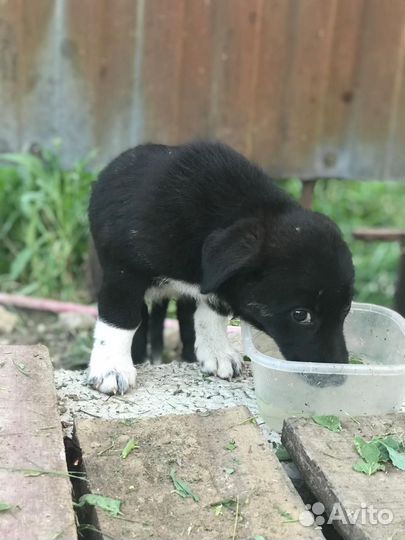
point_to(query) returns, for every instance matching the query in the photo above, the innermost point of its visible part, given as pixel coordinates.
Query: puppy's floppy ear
(226, 251)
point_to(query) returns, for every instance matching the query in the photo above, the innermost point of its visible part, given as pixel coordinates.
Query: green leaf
(109, 505)
(384, 455)
(20, 262)
(369, 451)
(181, 488)
(381, 449)
(28, 161)
(282, 453)
(392, 442)
(397, 458)
(129, 447)
(21, 368)
(218, 509)
(368, 468)
(354, 360)
(259, 537)
(231, 446)
(225, 503)
(329, 422)
(4, 507)
(285, 514)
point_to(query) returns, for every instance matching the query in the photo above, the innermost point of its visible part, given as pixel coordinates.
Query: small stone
(76, 321)
(8, 321)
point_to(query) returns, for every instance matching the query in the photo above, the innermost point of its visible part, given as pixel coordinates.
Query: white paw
(225, 364)
(111, 377)
(111, 370)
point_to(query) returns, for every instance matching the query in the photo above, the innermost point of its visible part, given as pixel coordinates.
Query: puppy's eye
(302, 316)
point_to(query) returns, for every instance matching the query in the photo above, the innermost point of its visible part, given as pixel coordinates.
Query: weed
(282, 453)
(231, 446)
(111, 506)
(378, 451)
(44, 231)
(181, 488)
(129, 448)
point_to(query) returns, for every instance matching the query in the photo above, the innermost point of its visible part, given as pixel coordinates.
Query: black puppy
(200, 220)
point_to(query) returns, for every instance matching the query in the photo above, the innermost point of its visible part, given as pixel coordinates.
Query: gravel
(175, 388)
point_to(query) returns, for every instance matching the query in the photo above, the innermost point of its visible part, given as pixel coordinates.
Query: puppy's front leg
(111, 370)
(214, 353)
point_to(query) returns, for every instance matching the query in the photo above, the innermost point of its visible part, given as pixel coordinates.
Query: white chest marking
(172, 288)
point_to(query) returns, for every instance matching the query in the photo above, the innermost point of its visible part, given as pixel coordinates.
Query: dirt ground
(68, 348)
(68, 336)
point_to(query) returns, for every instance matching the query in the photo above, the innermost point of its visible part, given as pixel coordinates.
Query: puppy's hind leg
(120, 303)
(214, 353)
(185, 315)
(157, 320)
(140, 340)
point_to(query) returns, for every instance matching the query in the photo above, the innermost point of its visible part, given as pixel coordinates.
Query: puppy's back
(162, 201)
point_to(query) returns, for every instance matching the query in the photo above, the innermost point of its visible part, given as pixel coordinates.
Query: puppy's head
(290, 275)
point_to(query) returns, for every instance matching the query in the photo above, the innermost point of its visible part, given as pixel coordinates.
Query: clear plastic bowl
(374, 334)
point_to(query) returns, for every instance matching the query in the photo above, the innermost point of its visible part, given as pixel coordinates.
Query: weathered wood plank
(196, 447)
(326, 461)
(31, 439)
(379, 235)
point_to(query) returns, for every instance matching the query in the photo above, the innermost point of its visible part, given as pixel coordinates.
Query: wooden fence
(313, 88)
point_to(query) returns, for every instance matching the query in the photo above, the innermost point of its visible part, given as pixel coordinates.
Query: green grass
(44, 230)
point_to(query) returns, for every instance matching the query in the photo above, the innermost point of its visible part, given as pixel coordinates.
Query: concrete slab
(325, 460)
(222, 457)
(173, 388)
(31, 447)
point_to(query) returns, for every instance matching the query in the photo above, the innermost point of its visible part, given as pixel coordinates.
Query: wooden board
(379, 235)
(31, 440)
(197, 447)
(326, 461)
